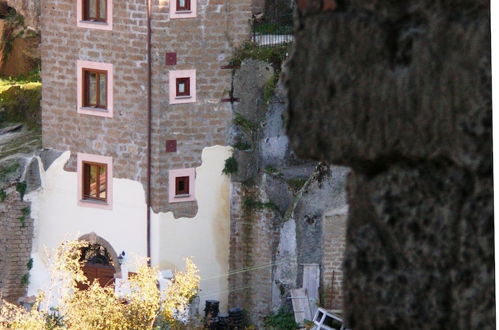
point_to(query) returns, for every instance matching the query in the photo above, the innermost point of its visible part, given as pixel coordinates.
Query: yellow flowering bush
(15, 317)
(143, 306)
(180, 293)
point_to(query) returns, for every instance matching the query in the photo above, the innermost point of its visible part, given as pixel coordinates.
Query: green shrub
(281, 320)
(26, 210)
(243, 122)
(22, 220)
(296, 184)
(21, 103)
(25, 279)
(239, 145)
(21, 188)
(269, 169)
(230, 166)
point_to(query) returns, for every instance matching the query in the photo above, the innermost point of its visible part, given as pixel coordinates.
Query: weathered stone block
(404, 98)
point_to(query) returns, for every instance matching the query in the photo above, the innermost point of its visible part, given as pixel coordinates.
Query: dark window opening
(182, 185)
(183, 87)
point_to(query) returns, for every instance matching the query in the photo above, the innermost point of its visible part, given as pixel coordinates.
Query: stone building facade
(106, 128)
(203, 43)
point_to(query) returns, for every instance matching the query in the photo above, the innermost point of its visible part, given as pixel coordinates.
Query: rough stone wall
(23, 58)
(278, 203)
(29, 9)
(405, 100)
(204, 43)
(15, 245)
(123, 137)
(20, 37)
(252, 251)
(333, 241)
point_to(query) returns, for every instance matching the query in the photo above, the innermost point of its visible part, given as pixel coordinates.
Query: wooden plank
(301, 307)
(311, 282)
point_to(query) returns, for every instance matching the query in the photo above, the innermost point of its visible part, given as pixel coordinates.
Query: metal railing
(272, 30)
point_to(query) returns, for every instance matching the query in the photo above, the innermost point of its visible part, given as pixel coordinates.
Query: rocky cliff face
(280, 205)
(404, 99)
(19, 37)
(30, 10)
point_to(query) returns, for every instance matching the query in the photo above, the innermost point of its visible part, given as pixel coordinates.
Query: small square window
(183, 87)
(181, 186)
(95, 14)
(95, 175)
(94, 10)
(94, 181)
(95, 88)
(183, 5)
(183, 8)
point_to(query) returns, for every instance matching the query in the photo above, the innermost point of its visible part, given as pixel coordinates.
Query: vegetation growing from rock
(274, 55)
(240, 145)
(296, 183)
(230, 166)
(25, 279)
(21, 188)
(269, 88)
(25, 213)
(282, 320)
(251, 204)
(243, 122)
(272, 171)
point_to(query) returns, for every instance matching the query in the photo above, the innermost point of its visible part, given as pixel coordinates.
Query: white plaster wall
(58, 217)
(205, 237)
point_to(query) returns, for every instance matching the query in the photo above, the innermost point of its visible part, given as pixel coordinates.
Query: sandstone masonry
(15, 244)
(203, 43)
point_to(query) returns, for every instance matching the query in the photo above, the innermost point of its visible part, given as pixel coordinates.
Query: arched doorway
(99, 261)
(97, 265)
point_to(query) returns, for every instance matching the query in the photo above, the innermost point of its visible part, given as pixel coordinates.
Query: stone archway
(93, 238)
